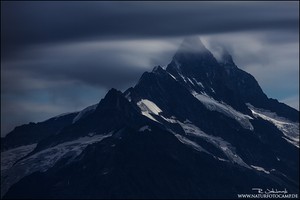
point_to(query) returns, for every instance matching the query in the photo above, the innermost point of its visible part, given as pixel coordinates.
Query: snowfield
(41, 161)
(148, 107)
(214, 105)
(218, 142)
(288, 128)
(8, 158)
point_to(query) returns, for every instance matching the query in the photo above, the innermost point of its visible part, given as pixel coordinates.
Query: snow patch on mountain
(190, 143)
(52, 155)
(198, 83)
(192, 130)
(214, 105)
(172, 76)
(9, 157)
(183, 77)
(260, 169)
(190, 81)
(148, 107)
(218, 142)
(43, 160)
(144, 128)
(128, 97)
(84, 111)
(170, 120)
(288, 128)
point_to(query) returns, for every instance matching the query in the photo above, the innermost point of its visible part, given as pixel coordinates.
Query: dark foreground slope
(148, 164)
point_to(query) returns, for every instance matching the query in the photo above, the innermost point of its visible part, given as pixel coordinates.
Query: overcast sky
(60, 57)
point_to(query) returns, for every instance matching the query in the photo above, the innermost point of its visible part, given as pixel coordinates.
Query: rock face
(200, 128)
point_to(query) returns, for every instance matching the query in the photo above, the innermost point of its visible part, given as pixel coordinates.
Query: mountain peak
(157, 69)
(113, 99)
(193, 50)
(226, 58)
(192, 57)
(192, 44)
(113, 92)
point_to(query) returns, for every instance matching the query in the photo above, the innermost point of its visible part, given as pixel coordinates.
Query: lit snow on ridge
(61, 115)
(184, 79)
(148, 107)
(288, 128)
(198, 83)
(43, 160)
(171, 120)
(260, 169)
(84, 111)
(172, 76)
(225, 109)
(190, 81)
(188, 142)
(218, 142)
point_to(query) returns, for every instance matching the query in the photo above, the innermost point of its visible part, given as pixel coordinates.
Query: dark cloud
(63, 56)
(25, 23)
(106, 64)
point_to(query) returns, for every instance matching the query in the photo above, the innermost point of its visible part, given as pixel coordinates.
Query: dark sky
(63, 56)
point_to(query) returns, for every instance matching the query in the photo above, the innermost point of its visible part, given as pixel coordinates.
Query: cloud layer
(63, 56)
